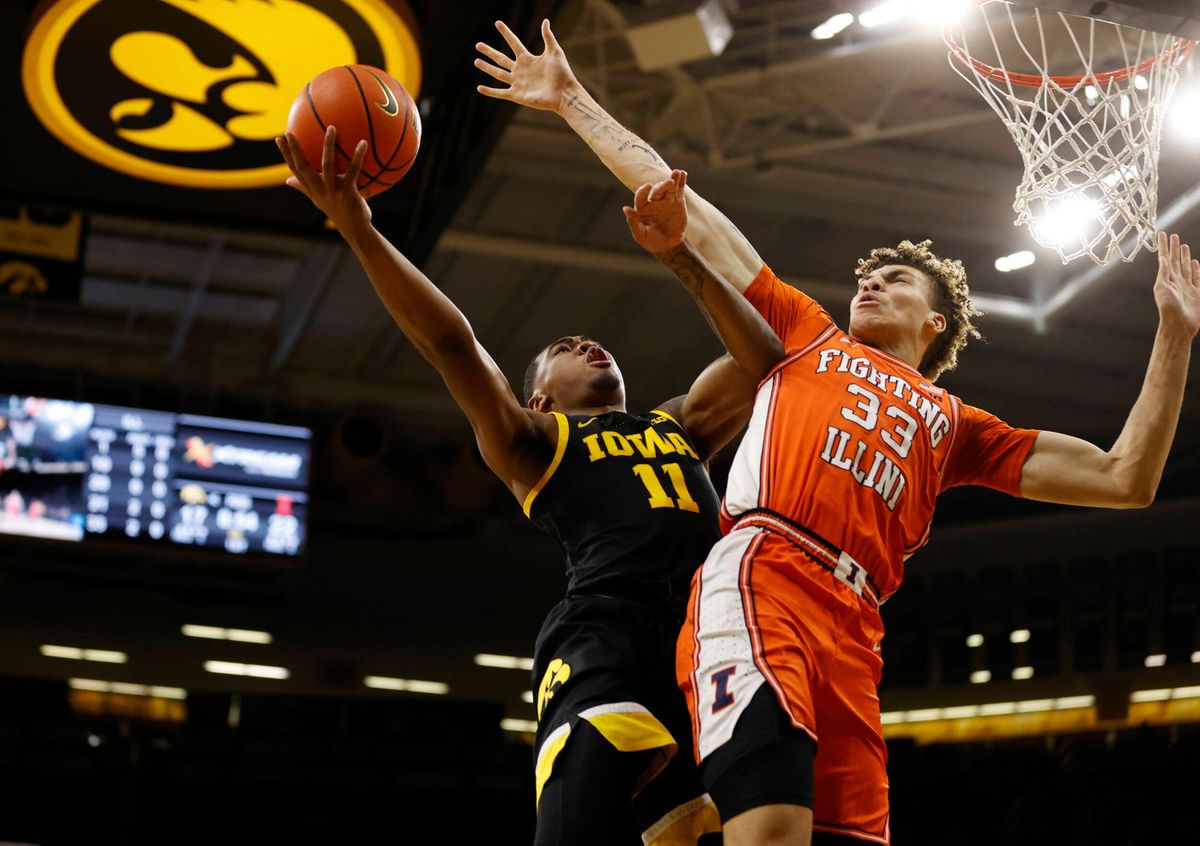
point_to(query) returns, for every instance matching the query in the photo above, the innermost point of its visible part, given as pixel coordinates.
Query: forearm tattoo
(687, 268)
(602, 127)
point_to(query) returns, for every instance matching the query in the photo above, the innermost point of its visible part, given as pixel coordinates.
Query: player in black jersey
(627, 497)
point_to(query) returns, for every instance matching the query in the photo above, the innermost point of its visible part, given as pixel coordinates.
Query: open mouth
(595, 355)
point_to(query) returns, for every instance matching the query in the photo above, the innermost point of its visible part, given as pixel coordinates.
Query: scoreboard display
(72, 470)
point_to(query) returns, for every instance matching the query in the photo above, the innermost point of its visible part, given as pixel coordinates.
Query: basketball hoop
(1090, 140)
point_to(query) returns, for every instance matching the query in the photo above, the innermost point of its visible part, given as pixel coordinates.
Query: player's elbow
(1140, 497)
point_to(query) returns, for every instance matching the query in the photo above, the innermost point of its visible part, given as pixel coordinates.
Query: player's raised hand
(658, 218)
(335, 195)
(1177, 289)
(537, 80)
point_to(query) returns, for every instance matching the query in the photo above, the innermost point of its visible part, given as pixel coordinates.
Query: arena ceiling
(818, 150)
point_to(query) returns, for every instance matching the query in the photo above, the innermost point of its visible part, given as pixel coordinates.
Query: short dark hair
(952, 300)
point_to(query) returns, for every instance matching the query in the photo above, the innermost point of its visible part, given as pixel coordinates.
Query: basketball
(363, 103)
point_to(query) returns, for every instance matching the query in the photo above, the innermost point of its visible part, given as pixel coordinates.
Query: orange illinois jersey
(854, 445)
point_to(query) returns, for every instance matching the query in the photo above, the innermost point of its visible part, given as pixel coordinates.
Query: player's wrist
(572, 92)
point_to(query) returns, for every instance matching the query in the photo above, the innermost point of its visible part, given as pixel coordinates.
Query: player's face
(893, 302)
(577, 372)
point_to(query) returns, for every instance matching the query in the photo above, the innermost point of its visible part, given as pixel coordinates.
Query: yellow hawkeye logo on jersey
(556, 676)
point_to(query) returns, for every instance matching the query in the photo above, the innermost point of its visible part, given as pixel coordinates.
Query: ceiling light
(1183, 115)
(1156, 660)
(997, 709)
(258, 671)
(1032, 706)
(408, 685)
(527, 696)
(1186, 692)
(1064, 703)
(217, 633)
(1019, 636)
(1159, 695)
(1141, 83)
(128, 689)
(891, 717)
(960, 712)
(1065, 221)
(1022, 673)
(504, 662)
(1196, 657)
(509, 724)
(74, 653)
(981, 677)
(833, 26)
(886, 13)
(1016, 261)
(974, 640)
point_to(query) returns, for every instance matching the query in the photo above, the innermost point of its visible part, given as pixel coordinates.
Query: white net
(1084, 100)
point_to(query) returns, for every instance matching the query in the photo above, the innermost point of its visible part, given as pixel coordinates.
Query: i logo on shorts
(722, 698)
(193, 92)
(556, 676)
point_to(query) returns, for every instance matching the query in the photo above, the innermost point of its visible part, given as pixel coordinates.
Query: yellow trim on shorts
(564, 432)
(684, 825)
(628, 726)
(545, 760)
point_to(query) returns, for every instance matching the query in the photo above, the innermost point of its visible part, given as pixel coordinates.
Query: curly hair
(952, 299)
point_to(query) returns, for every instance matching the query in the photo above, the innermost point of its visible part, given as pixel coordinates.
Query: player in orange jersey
(834, 484)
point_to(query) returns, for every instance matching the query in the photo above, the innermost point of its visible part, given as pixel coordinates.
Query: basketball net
(1089, 139)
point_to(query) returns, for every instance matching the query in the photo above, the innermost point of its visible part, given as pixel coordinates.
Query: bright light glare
(1007, 264)
(936, 12)
(981, 677)
(409, 685)
(886, 13)
(1092, 93)
(833, 26)
(1066, 222)
(1156, 660)
(527, 696)
(127, 689)
(529, 726)
(1019, 636)
(1183, 115)
(1141, 83)
(218, 633)
(258, 671)
(503, 662)
(1022, 673)
(74, 653)
(974, 640)
(1160, 695)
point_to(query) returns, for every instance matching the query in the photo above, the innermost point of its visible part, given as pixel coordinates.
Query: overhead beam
(308, 289)
(204, 275)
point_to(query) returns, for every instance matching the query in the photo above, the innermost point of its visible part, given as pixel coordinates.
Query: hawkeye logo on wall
(193, 92)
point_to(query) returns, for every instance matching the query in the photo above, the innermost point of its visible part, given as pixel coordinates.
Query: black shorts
(767, 761)
(604, 667)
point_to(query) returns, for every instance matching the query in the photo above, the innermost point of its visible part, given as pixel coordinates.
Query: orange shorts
(762, 611)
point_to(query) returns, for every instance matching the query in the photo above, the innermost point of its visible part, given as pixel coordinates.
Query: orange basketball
(362, 102)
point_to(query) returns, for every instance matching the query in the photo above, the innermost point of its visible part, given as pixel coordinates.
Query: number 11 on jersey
(658, 494)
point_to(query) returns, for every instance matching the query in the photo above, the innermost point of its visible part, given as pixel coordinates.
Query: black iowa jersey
(631, 504)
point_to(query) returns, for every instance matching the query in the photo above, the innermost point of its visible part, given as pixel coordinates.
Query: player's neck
(590, 410)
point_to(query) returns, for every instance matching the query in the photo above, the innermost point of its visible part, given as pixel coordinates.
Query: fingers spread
(328, 171)
(356, 163)
(493, 71)
(510, 38)
(548, 35)
(642, 196)
(497, 93)
(495, 55)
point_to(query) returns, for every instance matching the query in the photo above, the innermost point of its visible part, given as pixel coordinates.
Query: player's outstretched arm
(1068, 470)
(720, 400)
(658, 220)
(545, 81)
(512, 438)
